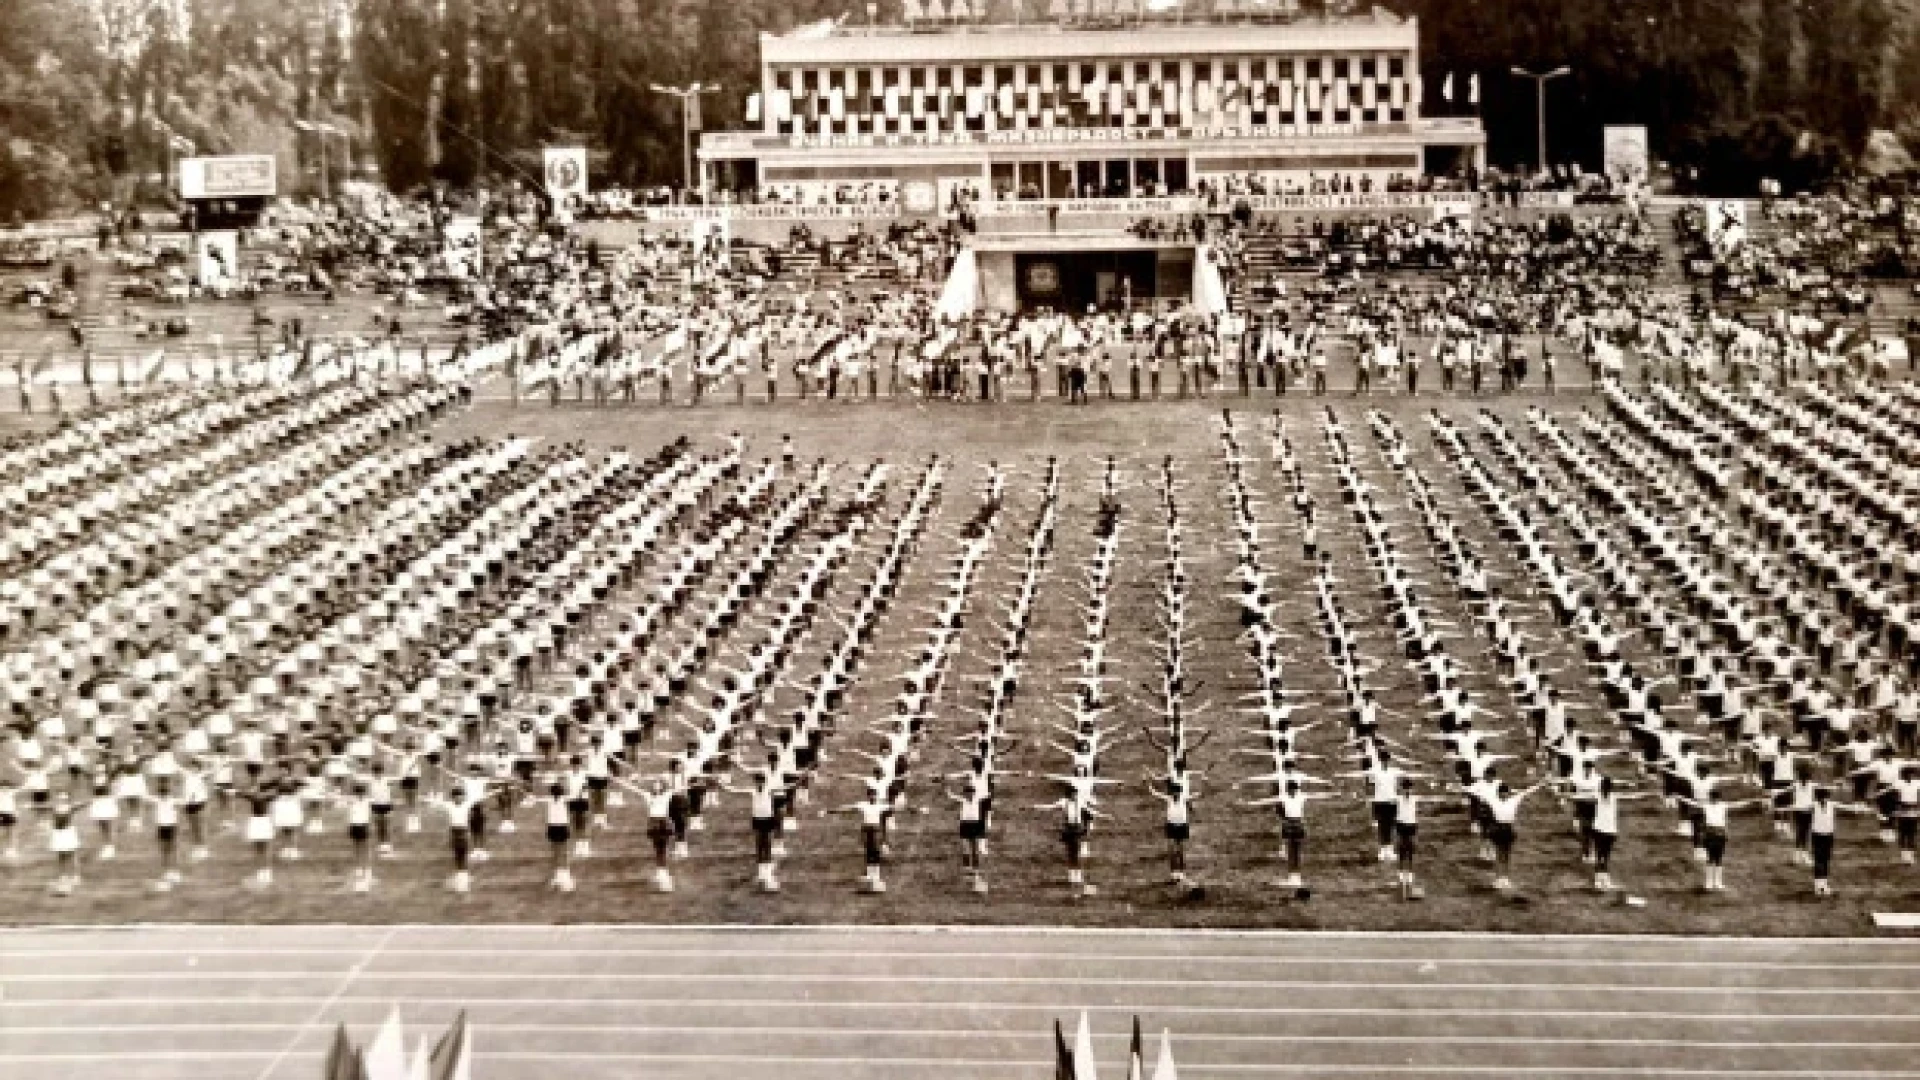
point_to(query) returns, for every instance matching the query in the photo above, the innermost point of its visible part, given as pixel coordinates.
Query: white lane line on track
(1004, 1064)
(468, 1001)
(1102, 957)
(971, 1033)
(870, 931)
(346, 981)
(460, 977)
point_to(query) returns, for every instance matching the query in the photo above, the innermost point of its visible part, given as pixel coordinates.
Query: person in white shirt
(873, 812)
(1406, 832)
(1503, 812)
(1714, 812)
(1291, 804)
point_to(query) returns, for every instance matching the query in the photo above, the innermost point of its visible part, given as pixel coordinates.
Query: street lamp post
(1540, 104)
(689, 103)
(176, 144)
(321, 130)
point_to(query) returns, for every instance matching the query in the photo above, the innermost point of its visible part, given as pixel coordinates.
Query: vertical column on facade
(1156, 97)
(1370, 86)
(1242, 112)
(984, 96)
(1286, 74)
(853, 96)
(1074, 92)
(957, 121)
(1186, 116)
(841, 99)
(822, 102)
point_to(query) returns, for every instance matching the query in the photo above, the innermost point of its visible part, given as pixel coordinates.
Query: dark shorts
(357, 833)
(557, 834)
(1177, 830)
(1716, 844)
(972, 830)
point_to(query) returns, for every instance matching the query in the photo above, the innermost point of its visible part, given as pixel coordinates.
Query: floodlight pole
(1540, 105)
(688, 95)
(321, 130)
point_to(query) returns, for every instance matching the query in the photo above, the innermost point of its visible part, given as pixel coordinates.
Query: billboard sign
(219, 259)
(566, 169)
(239, 176)
(920, 197)
(1625, 151)
(1726, 223)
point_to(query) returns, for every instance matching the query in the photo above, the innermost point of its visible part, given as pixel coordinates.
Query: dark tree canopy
(97, 95)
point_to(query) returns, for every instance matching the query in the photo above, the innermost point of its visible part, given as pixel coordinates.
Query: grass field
(1234, 850)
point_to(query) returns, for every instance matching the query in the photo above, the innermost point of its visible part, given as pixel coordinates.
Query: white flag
(1446, 88)
(1082, 1052)
(1165, 1070)
(1473, 89)
(386, 1057)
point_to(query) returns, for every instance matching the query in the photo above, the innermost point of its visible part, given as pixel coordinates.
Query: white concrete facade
(1054, 112)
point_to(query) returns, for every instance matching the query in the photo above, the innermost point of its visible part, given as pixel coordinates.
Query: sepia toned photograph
(959, 540)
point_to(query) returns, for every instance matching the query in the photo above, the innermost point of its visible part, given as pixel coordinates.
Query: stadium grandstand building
(925, 115)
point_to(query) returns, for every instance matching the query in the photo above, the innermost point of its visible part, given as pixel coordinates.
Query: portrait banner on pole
(1624, 149)
(566, 172)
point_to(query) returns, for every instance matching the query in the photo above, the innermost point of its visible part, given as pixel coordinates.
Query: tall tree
(459, 152)
(399, 48)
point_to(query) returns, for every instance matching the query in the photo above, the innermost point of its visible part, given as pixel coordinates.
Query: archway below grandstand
(1077, 281)
(1076, 273)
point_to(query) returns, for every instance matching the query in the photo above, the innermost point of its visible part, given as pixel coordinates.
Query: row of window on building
(1163, 93)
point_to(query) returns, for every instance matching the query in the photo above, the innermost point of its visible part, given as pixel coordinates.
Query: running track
(260, 1003)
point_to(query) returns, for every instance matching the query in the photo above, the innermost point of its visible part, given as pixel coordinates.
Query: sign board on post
(240, 176)
(566, 172)
(219, 259)
(1726, 223)
(919, 197)
(464, 251)
(1624, 148)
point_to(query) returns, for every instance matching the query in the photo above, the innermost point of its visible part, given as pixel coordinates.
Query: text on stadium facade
(1070, 135)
